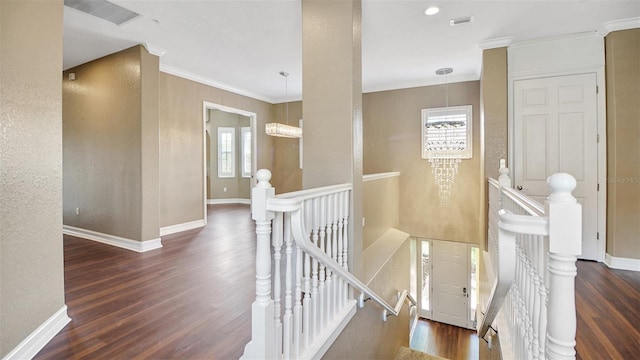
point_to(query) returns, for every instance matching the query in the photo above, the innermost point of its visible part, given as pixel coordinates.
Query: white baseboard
(228, 201)
(33, 343)
(138, 246)
(622, 263)
(172, 229)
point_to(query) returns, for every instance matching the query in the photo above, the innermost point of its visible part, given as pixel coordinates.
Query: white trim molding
(622, 263)
(154, 50)
(137, 246)
(617, 25)
(495, 43)
(199, 79)
(41, 336)
(379, 176)
(228, 201)
(172, 229)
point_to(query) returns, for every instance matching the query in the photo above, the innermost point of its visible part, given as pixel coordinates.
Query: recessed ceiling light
(432, 10)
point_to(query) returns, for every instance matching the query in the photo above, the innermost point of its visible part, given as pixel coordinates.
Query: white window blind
(446, 132)
(246, 151)
(226, 152)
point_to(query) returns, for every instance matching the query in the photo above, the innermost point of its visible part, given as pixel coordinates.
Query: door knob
(519, 187)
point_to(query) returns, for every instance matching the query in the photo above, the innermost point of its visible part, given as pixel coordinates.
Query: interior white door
(450, 283)
(555, 130)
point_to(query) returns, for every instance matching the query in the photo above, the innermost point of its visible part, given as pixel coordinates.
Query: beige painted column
(31, 250)
(332, 102)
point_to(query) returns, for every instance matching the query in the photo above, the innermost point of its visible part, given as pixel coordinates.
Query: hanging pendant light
(445, 151)
(279, 129)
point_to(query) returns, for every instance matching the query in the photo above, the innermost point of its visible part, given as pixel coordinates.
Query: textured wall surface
(381, 200)
(392, 143)
(493, 85)
(367, 336)
(102, 145)
(181, 144)
(623, 143)
(237, 187)
(31, 260)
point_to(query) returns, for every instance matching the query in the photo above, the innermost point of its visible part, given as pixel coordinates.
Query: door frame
(253, 120)
(540, 59)
(418, 278)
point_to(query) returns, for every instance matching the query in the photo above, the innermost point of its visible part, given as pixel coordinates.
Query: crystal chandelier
(283, 130)
(446, 139)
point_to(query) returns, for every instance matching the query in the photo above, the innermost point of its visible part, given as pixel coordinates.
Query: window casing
(446, 132)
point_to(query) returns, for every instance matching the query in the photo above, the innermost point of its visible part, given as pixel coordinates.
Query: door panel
(555, 130)
(450, 283)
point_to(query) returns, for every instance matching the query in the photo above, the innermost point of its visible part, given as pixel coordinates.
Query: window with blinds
(226, 152)
(245, 162)
(446, 132)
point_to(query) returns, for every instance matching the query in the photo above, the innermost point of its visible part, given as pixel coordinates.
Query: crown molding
(495, 43)
(154, 50)
(617, 25)
(193, 77)
(419, 83)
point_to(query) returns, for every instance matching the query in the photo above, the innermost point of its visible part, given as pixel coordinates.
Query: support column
(332, 103)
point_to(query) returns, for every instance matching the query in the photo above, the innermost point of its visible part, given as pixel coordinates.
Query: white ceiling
(242, 45)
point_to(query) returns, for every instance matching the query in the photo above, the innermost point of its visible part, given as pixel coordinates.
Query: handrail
(298, 229)
(531, 206)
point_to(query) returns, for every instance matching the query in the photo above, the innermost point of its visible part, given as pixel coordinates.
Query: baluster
(278, 223)
(565, 243)
(288, 302)
(340, 285)
(334, 254)
(306, 302)
(329, 249)
(297, 309)
(315, 220)
(321, 243)
(345, 246)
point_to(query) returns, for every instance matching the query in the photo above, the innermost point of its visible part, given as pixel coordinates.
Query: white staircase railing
(532, 251)
(298, 314)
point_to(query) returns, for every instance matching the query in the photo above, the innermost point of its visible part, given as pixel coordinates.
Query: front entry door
(555, 130)
(450, 283)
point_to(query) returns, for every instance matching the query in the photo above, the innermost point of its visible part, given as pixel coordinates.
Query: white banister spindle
(565, 244)
(276, 241)
(262, 344)
(288, 301)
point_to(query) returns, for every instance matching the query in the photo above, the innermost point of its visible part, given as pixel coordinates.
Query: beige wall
(287, 175)
(623, 143)
(494, 110)
(110, 164)
(367, 336)
(392, 143)
(381, 199)
(237, 187)
(181, 143)
(31, 270)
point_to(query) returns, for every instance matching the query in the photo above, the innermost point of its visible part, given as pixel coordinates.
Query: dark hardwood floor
(189, 300)
(450, 342)
(608, 304)
(192, 300)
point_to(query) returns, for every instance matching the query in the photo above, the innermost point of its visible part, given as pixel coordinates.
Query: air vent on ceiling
(103, 9)
(459, 21)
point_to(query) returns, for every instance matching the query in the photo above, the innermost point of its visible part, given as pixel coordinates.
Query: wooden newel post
(565, 244)
(262, 344)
